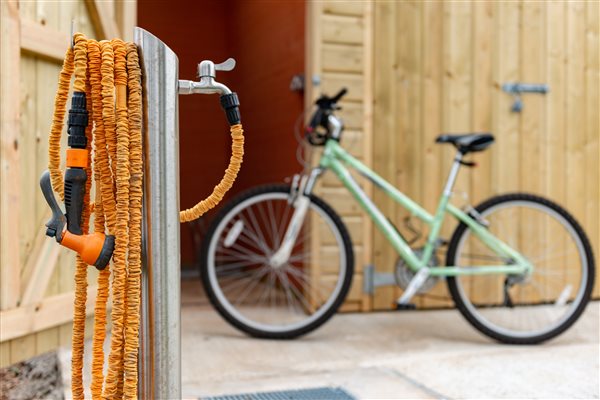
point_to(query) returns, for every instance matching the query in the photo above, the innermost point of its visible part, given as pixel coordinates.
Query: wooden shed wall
(440, 67)
(36, 274)
(339, 54)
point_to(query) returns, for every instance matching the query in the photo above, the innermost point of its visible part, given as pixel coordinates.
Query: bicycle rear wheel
(261, 297)
(523, 309)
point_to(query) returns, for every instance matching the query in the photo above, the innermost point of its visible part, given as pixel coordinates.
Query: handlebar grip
(231, 105)
(338, 96)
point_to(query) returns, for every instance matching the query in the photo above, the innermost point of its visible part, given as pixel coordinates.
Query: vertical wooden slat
(533, 131)
(431, 102)
(555, 111)
(592, 124)
(10, 204)
(4, 354)
(575, 95)
(46, 83)
(27, 142)
(431, 115)
(313, 69)
(46, 340)
(401, 113)
(367, 126)
(457, 78)
(481, 93)
(505, 156)
(22, 348)
(575, 120)
(384, 137)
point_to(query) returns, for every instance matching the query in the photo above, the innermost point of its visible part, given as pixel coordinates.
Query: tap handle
(208, 68)
(226, 65)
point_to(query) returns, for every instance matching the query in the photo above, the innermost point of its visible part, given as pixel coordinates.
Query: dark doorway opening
(267, 40)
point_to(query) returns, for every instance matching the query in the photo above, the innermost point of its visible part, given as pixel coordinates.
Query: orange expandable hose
(108, 72)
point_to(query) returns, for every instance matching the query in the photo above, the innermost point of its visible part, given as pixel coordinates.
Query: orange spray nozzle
(95, 249)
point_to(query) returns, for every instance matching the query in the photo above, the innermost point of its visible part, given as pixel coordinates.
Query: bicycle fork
(302, 186)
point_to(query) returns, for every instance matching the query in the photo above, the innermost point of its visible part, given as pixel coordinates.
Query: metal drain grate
(324, 393)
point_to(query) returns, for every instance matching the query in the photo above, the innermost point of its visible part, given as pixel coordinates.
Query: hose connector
(231, 106)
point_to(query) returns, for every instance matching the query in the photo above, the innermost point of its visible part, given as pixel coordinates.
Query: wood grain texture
(339, 52)
(35, 36)
(102, 16)
(10, 165)
(47, 313)
(43, 41)
(440, 67)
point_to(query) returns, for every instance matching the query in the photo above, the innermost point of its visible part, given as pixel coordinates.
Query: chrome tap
(207, 74)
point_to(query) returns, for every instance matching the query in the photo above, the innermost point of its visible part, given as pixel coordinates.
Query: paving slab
(415, 354)
(383, 355)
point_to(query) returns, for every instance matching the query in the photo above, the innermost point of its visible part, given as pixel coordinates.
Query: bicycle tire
(489, 330)
(209, 243)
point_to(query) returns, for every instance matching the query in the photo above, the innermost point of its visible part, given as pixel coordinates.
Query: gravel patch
(36, 378)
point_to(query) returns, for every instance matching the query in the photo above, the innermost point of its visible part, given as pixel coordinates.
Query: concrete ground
(385, 355)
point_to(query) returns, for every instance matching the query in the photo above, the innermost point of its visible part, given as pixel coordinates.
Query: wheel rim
(264, 297)
(543, 301)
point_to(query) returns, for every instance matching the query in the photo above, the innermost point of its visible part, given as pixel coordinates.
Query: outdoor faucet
(207, 84)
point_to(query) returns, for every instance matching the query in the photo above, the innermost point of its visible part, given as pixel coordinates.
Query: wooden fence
(36, 293)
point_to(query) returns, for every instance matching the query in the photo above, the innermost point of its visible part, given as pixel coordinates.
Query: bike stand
(373, 279)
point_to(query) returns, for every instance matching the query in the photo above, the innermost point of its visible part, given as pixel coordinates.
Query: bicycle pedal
(408, 306)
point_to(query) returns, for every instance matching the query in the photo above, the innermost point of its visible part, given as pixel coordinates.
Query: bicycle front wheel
(523, 309)
(274, 299)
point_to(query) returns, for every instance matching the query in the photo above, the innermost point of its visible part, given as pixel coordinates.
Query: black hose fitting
(231, 104)
(78, 121)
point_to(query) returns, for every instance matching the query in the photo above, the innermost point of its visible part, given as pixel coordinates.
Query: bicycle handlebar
(338, 96)
(325, 105)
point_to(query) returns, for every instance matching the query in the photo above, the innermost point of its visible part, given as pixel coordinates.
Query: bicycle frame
(338, 160)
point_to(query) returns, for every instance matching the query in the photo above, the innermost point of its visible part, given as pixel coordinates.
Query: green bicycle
(278, 261)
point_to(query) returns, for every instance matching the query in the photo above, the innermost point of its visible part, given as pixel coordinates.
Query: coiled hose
(109, 74)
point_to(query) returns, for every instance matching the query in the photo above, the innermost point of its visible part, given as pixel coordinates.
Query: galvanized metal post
(160, 334)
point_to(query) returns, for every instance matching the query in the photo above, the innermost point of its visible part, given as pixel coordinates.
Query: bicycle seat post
(453, 174)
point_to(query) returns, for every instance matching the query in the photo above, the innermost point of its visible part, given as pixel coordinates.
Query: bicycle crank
(404, 274)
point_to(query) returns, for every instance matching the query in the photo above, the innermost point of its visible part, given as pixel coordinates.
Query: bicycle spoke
(287, 285)
(247, 291)
(540, 302)
(257, 227)
(305, 282)
(263, 296)
(284, 222)
(253, 235)
(276, 237)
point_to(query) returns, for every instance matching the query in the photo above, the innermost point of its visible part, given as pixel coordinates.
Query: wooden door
(440, 67)
(339, 54)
